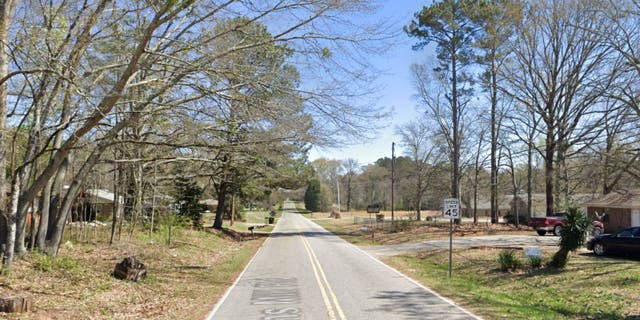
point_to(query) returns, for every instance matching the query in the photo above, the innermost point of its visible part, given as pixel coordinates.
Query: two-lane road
(304, 272)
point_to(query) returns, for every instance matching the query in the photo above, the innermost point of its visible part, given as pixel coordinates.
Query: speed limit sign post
(451, 211)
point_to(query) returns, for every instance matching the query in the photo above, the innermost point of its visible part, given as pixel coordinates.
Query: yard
(589, 288)
(185, 278)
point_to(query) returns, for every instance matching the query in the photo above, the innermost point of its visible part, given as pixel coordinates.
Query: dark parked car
(623, 242)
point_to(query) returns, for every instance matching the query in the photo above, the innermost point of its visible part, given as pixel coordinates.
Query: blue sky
(397, 92)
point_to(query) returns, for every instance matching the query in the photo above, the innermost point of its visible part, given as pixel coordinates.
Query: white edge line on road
(451, 302)
(226, 294)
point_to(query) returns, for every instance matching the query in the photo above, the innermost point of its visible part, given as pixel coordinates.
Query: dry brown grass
(185, 279)
(410, 231)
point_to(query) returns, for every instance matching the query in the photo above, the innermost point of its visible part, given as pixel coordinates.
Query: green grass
(589, 288)
(42, 262)
(251, 218)
(242, 227)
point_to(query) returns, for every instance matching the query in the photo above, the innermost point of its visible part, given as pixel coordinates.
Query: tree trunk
(349, 190)
(116, 201)
(43, 226)
(419, 196)
(548, 170)
(476, 178)
(454, 123)
(70, 198)
(153, 195)
(11, 225)
(529, 176)
(7, 8)
(138, 182)
(222, 195)
(29, 165)
(33, 227)
(494, 144)
(21, 219)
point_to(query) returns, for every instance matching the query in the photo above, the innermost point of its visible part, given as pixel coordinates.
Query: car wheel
(597, 232)
(598, 249)
(557, 230)
(541, 232)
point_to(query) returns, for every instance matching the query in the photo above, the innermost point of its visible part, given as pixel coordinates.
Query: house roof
(208, 202)
(621, 198)
(101, 196)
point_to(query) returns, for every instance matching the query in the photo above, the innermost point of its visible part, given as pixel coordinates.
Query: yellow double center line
(325, 287)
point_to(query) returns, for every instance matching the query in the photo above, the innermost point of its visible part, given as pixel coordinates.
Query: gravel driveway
(496, 241)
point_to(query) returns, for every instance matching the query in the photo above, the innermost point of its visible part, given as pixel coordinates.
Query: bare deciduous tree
(560, 73)
(420, 145)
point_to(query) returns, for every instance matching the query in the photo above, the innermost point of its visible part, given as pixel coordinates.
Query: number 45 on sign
(451, 209)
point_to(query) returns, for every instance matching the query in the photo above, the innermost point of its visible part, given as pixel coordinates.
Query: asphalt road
(304, 272)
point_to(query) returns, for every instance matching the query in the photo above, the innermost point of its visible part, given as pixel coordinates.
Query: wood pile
(14, 305)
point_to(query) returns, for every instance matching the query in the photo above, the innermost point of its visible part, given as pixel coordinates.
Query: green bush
(534, 262)
(508, 260)
(42, 262)
(572, 236)
(66, 263)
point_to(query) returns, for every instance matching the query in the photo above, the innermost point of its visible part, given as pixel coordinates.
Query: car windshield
(625, 233)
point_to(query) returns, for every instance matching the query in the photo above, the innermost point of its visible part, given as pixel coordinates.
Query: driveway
(495, 241)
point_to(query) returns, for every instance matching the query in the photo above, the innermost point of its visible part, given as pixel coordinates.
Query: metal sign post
(451, 211)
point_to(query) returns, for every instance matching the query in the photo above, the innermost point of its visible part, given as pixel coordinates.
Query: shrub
(572, 236)
(42, 262)
(45, 263)
(66, 263)
(523, 218)
(535, 262)
(508, 260)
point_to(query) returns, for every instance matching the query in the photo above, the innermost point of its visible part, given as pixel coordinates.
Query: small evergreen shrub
(572, 236)
(66, 263)
(535, 262)
(508, 260)
(42, 262)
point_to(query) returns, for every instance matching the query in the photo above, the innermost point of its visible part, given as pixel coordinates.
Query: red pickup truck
(556, 222)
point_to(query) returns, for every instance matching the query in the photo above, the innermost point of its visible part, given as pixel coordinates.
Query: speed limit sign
(451, 209)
